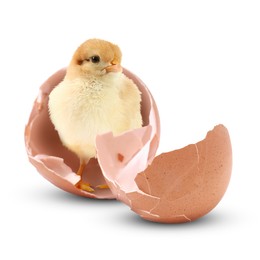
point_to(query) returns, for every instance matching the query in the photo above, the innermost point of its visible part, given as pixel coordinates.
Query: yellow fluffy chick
(95, 97)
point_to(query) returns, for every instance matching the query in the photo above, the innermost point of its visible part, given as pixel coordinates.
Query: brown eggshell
(58, 165)
(178, 186)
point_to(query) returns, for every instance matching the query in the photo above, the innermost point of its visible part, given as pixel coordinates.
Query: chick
(95, 97)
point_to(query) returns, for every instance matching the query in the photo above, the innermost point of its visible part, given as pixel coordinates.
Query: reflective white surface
(200, 60)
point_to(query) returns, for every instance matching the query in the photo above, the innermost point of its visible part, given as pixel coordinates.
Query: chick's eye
(95, 59)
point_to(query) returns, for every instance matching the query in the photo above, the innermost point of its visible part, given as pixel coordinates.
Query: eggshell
(174, 187)
(178, 186)
(58, 165)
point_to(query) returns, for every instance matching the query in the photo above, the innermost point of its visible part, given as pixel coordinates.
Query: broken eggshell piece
(178, 186)
(58, 165)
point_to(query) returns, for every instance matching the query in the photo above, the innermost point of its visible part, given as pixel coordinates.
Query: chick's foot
(84, 186)
(102, 186)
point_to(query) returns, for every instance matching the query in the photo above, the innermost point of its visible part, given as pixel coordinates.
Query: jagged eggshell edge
(178, 186)
(58, 165)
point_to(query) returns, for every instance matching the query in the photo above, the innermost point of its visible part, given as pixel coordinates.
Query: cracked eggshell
(178, 186)
(58, 165)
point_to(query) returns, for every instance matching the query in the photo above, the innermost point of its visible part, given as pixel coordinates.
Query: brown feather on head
(96, 57)
(107, 51)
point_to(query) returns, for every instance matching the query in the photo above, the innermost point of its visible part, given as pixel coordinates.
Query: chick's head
(95, 57)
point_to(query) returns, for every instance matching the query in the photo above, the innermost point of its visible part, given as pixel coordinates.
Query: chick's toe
(84, 186)
(102, 186)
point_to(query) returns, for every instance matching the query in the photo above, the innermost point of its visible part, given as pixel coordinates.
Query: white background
(200, 60)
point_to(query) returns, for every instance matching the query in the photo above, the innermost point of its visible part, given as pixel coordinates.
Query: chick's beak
(114, 67)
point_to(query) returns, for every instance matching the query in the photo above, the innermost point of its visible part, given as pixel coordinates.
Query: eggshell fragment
(178, 186)
(58, 165)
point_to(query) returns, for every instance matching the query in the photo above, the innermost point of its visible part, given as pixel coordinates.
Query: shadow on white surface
(122, 215)
(56, 195)
(214, 218)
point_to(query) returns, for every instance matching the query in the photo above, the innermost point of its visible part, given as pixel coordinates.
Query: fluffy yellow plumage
(95, 97)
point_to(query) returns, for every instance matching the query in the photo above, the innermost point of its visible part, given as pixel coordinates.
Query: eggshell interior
(174, 187)
(58, 165)
(178, 186)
